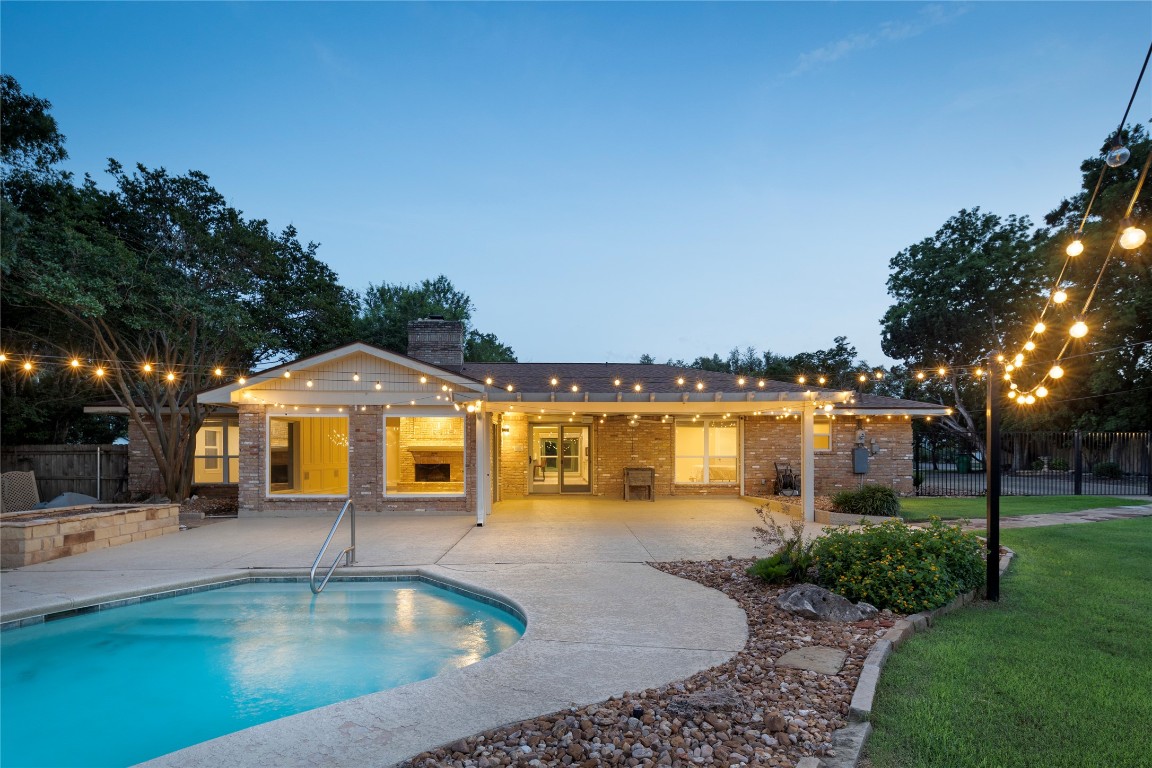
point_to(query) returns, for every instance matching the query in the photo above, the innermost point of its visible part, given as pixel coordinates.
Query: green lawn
(949, 508)
(1058, 674)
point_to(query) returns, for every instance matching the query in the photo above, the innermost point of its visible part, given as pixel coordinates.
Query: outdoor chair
(787, 481)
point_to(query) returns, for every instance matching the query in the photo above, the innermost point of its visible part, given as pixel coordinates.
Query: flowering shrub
(793, 555)
(899, 567)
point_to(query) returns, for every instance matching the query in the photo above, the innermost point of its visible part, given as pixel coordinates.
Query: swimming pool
(120, 686)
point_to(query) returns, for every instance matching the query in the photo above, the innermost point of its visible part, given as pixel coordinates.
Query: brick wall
(768, 439)
(619, 445)
(440, 342)
(514, 455)
(143, 476)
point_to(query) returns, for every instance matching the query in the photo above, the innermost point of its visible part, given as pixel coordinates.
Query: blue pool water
(117, 687)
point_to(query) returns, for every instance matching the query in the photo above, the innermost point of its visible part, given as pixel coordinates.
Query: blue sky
(603, 179)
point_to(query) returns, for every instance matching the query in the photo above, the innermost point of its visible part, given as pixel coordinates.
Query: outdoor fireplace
(433, 473)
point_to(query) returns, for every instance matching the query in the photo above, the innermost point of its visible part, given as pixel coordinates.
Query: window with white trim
(424, 455)
(308, 456)
(822, 435)
(707, 451)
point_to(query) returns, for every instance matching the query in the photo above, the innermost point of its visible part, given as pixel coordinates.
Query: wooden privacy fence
(94, 470)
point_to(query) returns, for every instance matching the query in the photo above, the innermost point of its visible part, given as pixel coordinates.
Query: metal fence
(94, 470)
(1035, 463)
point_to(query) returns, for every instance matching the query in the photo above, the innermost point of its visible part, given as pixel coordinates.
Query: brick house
(428, 433)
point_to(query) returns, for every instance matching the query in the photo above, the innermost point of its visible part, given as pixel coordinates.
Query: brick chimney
(437, 341)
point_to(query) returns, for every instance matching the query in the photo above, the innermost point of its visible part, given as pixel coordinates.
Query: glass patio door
(560, 458)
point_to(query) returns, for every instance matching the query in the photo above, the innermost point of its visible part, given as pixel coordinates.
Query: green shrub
(793, 556)
(899, 567)
(877, 500)
(1058, 464)
(1109, 470)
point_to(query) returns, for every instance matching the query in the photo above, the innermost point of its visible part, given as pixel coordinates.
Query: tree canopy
(159, 270)
(388, 308)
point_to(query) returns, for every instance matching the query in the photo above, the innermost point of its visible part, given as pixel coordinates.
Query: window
(822, 435)
(706, 451)
(308, 456)
(217, 458)
(424, 455)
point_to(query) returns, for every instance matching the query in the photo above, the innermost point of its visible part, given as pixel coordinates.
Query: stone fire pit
(33, 537)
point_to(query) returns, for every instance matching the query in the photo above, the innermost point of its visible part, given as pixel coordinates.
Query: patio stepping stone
(824, 661)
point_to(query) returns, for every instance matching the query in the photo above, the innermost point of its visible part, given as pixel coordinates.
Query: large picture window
(707, 451)
(308, 456)
(424, 455)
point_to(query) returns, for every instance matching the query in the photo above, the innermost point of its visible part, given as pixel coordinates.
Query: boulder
(813, 602)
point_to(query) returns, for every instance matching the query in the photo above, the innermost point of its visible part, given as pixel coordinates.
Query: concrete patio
(600, 622)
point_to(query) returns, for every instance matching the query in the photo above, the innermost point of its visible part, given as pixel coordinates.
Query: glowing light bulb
(171, 377)
(147, 367)
(920, 375)
(637, 387)
(699, 385)
(1117, 156)
(879, 375)
(862, 378)
(1039, 328)
(760, 383)
(243, 380)
(1018, 360)
(1029, 345)
(509, 387)
(1059, 297)
(615, 382)
(553, 381)
(287, 374)
(219, 372)
(1030, 399)
(800, 380)
(423, 379)
(308, 384)
(75, 363)
(27, 366)
(488, 381)
(1011, 395)
(1132, 237)
(1009, 367)
(979, 372)
(99, 372)
(940, 371)
(680, 381)
(1041, 391)
(821, 380)
(1078, 330)
(575, 388)
(1014, 386)
(379, 386)
(1056, 372)
(355, 377)
(1075, 248)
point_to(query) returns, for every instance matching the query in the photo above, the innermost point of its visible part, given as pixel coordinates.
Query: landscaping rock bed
(746, 711)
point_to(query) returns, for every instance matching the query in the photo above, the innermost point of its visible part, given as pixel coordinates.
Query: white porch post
(483, 469)
(808, 461)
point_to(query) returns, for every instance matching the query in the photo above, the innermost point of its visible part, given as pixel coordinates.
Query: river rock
(813, 602)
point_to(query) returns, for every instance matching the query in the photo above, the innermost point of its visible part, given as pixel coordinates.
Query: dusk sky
(603, 179)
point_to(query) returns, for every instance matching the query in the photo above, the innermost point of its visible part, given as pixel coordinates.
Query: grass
(951, 507)
(1055, 675)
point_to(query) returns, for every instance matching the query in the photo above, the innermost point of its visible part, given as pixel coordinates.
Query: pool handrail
(349, 552)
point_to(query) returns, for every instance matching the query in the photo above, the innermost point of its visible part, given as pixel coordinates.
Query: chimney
(437, 341)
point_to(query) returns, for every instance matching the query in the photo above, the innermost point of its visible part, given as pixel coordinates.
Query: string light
(1078, 330)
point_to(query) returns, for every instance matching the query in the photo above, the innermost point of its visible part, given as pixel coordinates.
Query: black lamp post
(992, 474)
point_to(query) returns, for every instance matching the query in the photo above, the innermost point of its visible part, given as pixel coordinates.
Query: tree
(1108, 377)
(161, 270)
(961, 296)
(388, 308)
